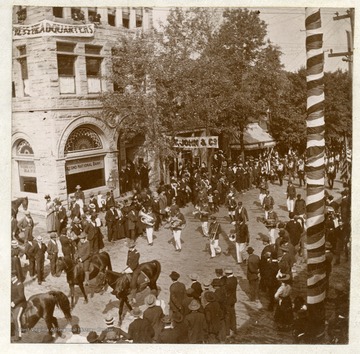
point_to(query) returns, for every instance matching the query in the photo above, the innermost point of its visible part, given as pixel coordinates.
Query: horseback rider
(132, 266)
(18, 303)
(82, 256)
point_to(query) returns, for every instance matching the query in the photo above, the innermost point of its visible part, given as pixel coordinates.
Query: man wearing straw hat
(111, 334)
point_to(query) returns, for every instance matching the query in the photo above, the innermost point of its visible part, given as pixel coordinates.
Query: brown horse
(16, 203)
(120, 282)
(42, 306)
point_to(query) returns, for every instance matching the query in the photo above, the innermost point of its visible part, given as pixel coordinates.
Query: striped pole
(315, 171)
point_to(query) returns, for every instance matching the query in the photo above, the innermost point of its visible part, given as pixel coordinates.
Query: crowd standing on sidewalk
(206, 309)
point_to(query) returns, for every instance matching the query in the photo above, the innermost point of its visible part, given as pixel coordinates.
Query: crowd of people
(205, 312)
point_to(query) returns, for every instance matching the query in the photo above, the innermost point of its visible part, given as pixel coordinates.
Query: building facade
(61, 58)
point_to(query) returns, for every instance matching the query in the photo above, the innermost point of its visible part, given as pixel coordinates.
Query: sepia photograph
(181, 174)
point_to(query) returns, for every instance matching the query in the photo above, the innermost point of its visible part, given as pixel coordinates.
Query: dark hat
(219, 271)
(265, 239)
(174, 275)
(166, 319)
(92, 337)
(250, 250)
(136, 312)
(194, 305)
(92, 194)
(177, 317)
(47, 196)
(210, 296)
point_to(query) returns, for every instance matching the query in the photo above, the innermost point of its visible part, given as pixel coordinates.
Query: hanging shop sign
(49, 28)
(27, 169)
(196, 142)
(83, 165)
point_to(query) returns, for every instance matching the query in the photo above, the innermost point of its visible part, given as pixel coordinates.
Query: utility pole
(348, 56)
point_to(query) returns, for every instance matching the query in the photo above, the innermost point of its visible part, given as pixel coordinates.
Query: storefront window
(27, 170)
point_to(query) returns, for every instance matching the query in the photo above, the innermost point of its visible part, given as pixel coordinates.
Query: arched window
(87, 170)
(26, 165)
(81, 139)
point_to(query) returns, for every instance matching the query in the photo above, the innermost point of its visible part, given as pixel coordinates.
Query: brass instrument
(146, 218)
(174, 223)
(232, 237)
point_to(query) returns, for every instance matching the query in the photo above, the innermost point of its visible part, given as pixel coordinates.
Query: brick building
(61, 57)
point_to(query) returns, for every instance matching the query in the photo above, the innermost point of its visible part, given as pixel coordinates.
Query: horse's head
(30, 316)
(119, 282)
(25, 203)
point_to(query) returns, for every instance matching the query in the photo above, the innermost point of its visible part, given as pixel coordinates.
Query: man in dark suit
(177, 293)
(253, 268)
(196, 323)
(214, 317)
(294, 229)
(168, 335)
(230, 286)
(61, 218)
(112, 218)
(67, 244)
(39, 251)
(140, 330)
(30, 256)
(220, 297)
(196, 286)
(52, 250)
(79, 194)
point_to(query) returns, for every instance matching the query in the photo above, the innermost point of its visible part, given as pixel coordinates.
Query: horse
(75, 275)
(16, 203)
(100, 263)
(120, 282)
(42, 306)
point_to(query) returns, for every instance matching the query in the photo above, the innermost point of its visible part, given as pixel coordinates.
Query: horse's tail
(108, 260)
(63, 302)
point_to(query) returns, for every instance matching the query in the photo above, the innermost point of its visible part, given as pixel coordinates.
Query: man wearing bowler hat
(253, 269)
(177, 293)
(230, 285)
(39, 251)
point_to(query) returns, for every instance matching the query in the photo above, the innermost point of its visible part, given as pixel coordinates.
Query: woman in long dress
(50, 215)
(283, 313)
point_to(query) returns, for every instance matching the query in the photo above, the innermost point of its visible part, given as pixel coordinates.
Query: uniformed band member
(177, 224)
(214, 233)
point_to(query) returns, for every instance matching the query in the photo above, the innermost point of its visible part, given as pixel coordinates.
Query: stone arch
(105, 134)
(16, 137)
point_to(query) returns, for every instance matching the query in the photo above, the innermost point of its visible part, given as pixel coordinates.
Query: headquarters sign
(50, 28)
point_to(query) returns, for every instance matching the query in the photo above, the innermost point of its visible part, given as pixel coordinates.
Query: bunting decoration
(346, 162)
(315, 171)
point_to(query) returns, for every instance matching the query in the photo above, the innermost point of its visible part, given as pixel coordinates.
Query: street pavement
(255, 324)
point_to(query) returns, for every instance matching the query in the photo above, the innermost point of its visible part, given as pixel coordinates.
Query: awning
(254, 138)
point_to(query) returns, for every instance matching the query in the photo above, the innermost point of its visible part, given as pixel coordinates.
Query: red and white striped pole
(315, 171)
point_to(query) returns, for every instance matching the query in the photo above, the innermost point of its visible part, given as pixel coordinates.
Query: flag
(346, 163)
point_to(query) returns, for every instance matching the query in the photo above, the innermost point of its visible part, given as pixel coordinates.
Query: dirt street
(255, 325)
